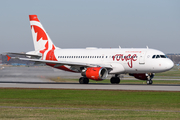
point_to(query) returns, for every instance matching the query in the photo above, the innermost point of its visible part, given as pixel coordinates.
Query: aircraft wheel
(83, 80)
(86, 80)
(149, 82)
(115, 80)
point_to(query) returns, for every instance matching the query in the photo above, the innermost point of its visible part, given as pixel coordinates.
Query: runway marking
(57, 108)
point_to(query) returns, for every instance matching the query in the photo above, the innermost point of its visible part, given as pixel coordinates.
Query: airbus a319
(93, 63)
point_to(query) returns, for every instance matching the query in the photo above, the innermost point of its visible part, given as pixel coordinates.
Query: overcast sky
(93, 23)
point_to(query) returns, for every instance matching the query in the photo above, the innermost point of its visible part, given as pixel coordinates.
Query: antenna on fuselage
(119, 47)
(147, 47)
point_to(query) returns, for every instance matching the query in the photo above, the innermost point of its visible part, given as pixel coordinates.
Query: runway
(92, 86)
(35, 78)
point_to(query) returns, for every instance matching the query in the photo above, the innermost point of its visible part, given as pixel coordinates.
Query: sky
(93, 23)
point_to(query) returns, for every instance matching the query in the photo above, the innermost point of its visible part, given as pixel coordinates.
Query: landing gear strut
(83, 80)
(115, 80)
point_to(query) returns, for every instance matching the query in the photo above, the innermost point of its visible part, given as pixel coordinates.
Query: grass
(43, 114)
(89, 104)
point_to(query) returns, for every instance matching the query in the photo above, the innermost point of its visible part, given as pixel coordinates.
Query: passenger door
(142, 57)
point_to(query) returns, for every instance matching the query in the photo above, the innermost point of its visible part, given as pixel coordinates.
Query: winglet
(8, 58)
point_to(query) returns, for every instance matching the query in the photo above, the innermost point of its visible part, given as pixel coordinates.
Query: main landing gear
(83, 80)
(115, 80)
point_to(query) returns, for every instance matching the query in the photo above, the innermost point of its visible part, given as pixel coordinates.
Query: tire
(115, 80)
(149, 82)
(86, 80)
(83, 80)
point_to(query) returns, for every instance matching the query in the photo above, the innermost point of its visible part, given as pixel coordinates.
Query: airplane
(95, 63)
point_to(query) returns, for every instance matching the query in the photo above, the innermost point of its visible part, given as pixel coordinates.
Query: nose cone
(169, 64)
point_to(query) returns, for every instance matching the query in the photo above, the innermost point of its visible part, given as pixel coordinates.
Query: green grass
(90, 104)
(44, 114)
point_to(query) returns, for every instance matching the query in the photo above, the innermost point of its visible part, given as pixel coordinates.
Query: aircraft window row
(82, 57)
(159, 56)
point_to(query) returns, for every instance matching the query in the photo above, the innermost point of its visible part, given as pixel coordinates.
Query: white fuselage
(120, 60)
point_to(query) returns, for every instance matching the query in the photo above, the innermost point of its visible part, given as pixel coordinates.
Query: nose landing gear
(149, 82)
(149, 79)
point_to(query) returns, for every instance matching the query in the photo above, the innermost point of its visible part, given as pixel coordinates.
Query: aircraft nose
(169, 64)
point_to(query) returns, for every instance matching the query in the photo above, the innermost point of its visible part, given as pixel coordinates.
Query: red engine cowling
(141, 76)
(95, 73)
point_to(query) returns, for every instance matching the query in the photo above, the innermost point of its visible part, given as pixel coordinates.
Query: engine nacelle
(95, 73)
(141, 76)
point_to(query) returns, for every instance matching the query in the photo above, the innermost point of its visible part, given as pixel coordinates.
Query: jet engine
(95, 73)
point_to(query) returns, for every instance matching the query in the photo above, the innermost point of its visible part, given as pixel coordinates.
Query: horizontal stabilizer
(26, 55)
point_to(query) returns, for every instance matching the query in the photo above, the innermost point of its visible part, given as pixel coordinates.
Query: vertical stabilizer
(41, 39)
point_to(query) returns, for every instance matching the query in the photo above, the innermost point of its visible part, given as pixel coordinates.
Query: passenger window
(153, 56)
(158, 56)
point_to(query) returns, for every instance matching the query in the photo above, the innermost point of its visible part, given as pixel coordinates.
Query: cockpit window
(163, 56)
(158, 56)
(153, 56)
